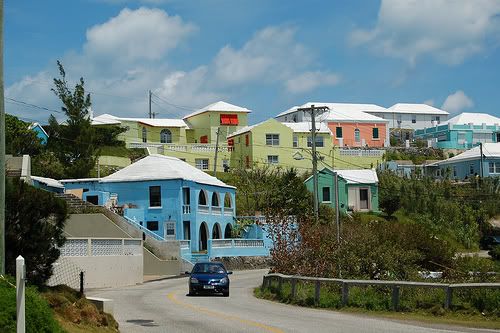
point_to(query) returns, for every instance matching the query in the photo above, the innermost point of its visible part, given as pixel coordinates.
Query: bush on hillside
(39, 316)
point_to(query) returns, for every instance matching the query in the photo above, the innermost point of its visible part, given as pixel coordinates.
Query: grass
(76, 314)
(470, 308)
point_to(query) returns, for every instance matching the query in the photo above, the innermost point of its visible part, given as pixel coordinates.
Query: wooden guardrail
(395, 285)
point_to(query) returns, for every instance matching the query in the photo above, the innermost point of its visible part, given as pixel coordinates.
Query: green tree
(74, 141)
(34, 223)
(19, 139)
(390, 192)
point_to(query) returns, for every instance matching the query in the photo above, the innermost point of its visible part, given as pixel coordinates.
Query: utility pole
(2, 151)
(150, 113)
(481, 160)
(216, 151)
(312, 110)
(337, 205)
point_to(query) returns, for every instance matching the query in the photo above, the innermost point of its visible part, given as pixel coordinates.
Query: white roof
(48, 181)
(105, 119)
(219, 106)
(244, 129)
(414, 108)
(362, 176)
(356, 176)
(346, 108)
(305, 127)
(344, 112)
(474, 118)
(108, 119)
(161, 167)
(490, 150)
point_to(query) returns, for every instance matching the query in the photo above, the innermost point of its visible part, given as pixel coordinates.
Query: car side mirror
(187, 273)
(229, 273)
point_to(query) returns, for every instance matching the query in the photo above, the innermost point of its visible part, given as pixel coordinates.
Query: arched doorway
(216, 232)
(228, 231)
(202, 198)
(203, 237)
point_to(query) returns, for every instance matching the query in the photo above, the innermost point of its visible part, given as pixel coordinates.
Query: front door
(363, 199)
(498, 137)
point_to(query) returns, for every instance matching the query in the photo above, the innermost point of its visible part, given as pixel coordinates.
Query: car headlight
(224, 280)
(193, 280)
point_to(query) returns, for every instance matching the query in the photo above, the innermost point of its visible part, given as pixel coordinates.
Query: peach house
(350, 123)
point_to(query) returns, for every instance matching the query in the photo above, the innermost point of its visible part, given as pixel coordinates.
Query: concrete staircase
(75, 204)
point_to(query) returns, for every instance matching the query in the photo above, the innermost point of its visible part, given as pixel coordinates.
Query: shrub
(39, 316)
(495, 252)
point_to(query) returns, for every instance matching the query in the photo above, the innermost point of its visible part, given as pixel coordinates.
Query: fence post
(81, 283)
(317, 290)
(20, 293)
(294, 287)
(395, 298)
(280, 285)
(449, 297)
(263, 286)
(345, 293)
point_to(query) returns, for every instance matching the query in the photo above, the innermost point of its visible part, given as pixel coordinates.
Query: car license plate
(208, 287)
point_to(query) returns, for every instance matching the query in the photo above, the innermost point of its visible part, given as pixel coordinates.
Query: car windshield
(209, 268)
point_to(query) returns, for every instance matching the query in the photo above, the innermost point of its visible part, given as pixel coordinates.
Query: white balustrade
(228, 211)
(361, 152)
(216, 210)
(248, 243)
(203, 209)
(83, 247)
(217, 243)
(186, 209)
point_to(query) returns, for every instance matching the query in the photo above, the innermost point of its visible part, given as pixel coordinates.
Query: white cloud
(429, 102)
(448, 30)
(142, 34)
(457, 102)
(128, 55)
(308, 81)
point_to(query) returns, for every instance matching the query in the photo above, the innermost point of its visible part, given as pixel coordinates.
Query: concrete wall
(93, 225)
(156, 266)
(110, 271)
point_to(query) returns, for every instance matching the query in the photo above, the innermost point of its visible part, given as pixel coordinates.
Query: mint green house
(358, 189)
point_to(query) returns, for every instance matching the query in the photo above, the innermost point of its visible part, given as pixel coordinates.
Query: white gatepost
(20, 293)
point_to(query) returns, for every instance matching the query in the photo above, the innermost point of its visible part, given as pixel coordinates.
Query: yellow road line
(212, 313)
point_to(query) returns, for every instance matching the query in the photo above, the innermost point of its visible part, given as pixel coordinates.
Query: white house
(411, 116)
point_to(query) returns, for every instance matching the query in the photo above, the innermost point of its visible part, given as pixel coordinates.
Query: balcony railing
(186, 209)
(248, 242)
(228, 211)
(362, 152)
(216, 210)
(203, 209)
(236, 247)
(184, 244)
(222, 243)
(190, 147)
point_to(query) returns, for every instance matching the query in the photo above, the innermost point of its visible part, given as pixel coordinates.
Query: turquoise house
(168, 197)
(358, 189)
(40, 132)
(463, 131)
(468, 164)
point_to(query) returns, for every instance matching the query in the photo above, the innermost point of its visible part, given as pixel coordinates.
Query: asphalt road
(163, 306)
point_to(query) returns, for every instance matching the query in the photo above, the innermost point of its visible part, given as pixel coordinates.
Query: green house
(358, 189)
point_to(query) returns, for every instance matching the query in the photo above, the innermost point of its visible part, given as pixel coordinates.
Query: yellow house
(192, 139)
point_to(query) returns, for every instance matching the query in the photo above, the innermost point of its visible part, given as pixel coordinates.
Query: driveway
(163, 306)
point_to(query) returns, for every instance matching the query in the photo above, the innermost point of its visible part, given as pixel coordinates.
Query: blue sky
(264, 55)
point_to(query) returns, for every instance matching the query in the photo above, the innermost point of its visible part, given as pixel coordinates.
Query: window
(202, 198)
(230, 142)
(363, 198)
(165, 136)
(169, 229)
(272, 159)
(225, 165)
(413, 119)
(154, 196)
(186, 196)
(152, 225)
(247, 140)
(357, 135)
(229, 119)
(201, 163)
(247, 162)
(494, 167)
(295, 141)
(204, 139)
(144, 134)
(326, 194)
(215, 200)
(338, 132)
(272, 139)
(471, 169)
(319, 141)
(375, 133)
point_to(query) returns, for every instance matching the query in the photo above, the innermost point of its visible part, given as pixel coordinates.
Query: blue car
(209, 277)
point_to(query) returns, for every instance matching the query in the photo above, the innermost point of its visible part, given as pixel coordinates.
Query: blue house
(40, 132)
(468, 164)
(463, 131)
(167, 196)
